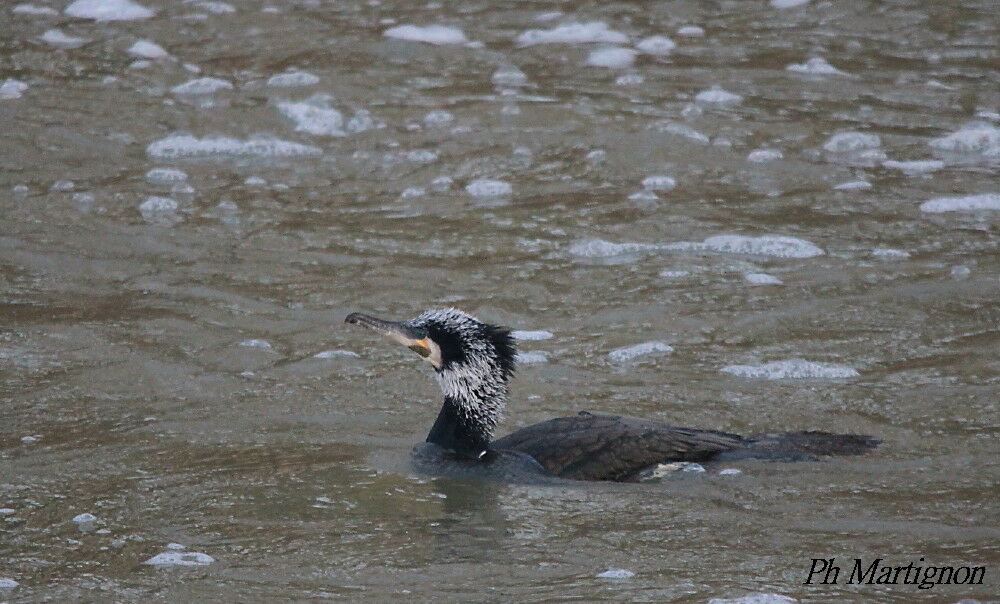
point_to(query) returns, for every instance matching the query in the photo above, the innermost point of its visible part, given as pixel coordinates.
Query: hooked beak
(413, 338)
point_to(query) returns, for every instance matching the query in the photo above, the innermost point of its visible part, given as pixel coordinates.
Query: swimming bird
(474, 361)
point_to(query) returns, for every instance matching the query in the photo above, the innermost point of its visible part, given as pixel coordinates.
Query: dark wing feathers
(607, 447)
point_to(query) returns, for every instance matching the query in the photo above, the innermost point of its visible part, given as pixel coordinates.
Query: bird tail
(799, 446)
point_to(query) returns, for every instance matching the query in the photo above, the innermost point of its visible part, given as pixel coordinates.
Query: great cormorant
(473, 362)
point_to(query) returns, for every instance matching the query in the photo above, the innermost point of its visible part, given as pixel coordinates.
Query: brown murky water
(157, 364)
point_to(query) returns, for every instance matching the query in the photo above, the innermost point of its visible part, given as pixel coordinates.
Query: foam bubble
(764, 155)
(914, 167)
(682, 130)
(292, 79)
(332, 354)
(540, 334)
(216, 8)
(201, 86)
(762, 279)
(627, 353)
(613, 58)
(572, 33)
(659, 182)
(509, 75)
(180, 558)
(159, 209)
(33, 9)
(599, 248)
(438, 117)
(972, 143)
(791, 369)
(656, 45)
(985, 202)
(532, 358)
(855, 149)
(12, 89)
(256, 343)
(850, 142)
(816, 66)
(185, 145)
(616, 573)
(629, 79)
(854, 185)
(886, 253)
(165, 176)
(431, 34)
(313, 117)
(7, 584)
(59, 39)
(148, 50)
(717, 96)
(765, 245)
(691, 31)
(485, 187)
(108, 10)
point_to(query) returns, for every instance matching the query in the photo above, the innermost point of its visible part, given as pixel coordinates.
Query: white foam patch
(792, 369)
(84, 518)
(691, 31)
(630, 79)
(159, 209)
(717, 96)
(8, 584)
(758, 598)
(599, 248)
(854, 185)
(855, 149)
(671, 274)
(788, 3)
(12, 89)
(175, 558)
(627, 353)
(682, 130)
(572, 33)
(888, 253)
(292, 79)
(850, 142)
(616, 573)
(972, 143)
(656, 45)
(531, 358)
(431, 34)
(256, 343)
(540, 334)
(612, 58)
(185, 145)
(332, 354)
(216, 8)
(509, 75)
(147, 49)
(762, 279)
(34, 9)
(108, 10)
(313, 117)
(438, 117)
(729, 472)
(779, 246)
(922, 166)
(165, 176)
(59, 39)
(816, 66)
(985, 202)
(759, 156)
(201, 86)
(659, 183)
(485, 187)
